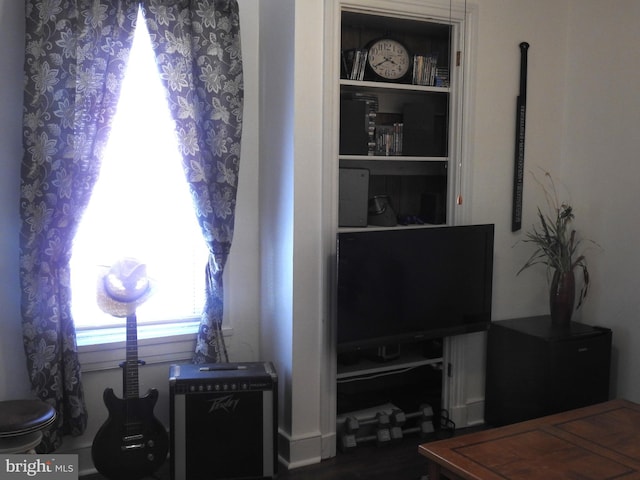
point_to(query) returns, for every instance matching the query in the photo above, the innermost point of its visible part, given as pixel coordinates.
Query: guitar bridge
(132, 438)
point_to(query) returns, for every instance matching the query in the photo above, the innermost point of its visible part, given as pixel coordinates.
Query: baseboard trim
(475, 412)
(468, 415)
(329, 445)
(300, 451)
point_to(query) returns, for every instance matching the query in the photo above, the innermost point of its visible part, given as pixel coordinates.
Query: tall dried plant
(555, 240)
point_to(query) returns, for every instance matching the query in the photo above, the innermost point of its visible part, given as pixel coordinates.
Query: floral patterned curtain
(197, 46)
(75, 58)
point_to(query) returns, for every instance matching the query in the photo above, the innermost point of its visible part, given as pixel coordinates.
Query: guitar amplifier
(223, 421)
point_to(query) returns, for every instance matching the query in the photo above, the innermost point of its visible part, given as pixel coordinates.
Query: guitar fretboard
(130, 388)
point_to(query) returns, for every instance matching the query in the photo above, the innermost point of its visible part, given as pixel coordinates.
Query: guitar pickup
(134, 446)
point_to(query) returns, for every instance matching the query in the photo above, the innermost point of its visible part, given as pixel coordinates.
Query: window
(141, 207)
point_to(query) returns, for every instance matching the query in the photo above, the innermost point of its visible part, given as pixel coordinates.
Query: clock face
(388, 59)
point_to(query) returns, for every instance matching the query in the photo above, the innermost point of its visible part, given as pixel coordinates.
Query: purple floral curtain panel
(75, 57)
(197, 46)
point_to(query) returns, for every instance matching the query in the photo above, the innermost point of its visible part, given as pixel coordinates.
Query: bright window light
(141, 207)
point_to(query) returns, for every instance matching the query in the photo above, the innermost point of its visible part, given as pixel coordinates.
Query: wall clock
(388, 59)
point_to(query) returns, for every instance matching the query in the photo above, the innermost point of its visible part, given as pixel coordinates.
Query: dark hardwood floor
(397, 461)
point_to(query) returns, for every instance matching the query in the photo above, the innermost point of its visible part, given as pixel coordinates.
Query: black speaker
(353, 127)
(353, 197)
(223, 421)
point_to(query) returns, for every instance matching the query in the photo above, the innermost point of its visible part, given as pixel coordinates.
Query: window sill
(105, 349)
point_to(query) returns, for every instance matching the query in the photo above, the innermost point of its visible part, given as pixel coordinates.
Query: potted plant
(557, 247)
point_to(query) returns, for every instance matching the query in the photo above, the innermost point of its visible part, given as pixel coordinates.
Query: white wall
(13, 370)
(277, 192)
(291, 166)
(309, 306)
(502, 26)
(601, 166)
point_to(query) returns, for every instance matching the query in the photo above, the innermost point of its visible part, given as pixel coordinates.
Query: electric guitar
(132, 443)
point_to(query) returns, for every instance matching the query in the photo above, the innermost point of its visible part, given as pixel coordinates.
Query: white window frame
(103, 347)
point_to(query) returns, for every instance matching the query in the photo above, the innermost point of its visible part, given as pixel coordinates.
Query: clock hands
(386, 59)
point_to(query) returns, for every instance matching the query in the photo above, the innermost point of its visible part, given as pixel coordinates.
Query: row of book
(354, 62)
(389, 139)
(426, 71)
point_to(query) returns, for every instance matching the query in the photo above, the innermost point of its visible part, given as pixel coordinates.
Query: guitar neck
(130, 387)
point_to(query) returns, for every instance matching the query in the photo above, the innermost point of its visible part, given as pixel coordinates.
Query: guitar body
(132, 443)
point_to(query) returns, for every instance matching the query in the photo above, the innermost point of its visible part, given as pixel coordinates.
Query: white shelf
(373, 228)
(364, 84)
(367, 368)
(393, 158)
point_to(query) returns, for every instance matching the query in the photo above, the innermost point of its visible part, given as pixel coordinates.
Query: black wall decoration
(518, 173)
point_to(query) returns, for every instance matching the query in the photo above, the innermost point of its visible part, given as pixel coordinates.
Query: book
(424, 69)
(353, 63)
(389, 139)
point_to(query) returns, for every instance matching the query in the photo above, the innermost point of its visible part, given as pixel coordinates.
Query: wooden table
(598, 442)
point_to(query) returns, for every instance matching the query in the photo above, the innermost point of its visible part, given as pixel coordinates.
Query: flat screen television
(407, 285)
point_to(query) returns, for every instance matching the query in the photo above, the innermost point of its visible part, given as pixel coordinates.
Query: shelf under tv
(365, 368)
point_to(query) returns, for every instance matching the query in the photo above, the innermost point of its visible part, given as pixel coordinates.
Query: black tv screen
(407, 285)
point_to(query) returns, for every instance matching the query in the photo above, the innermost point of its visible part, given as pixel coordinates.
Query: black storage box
(535, 368)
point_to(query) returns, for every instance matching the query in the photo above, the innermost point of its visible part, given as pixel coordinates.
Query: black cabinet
(535, 368)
